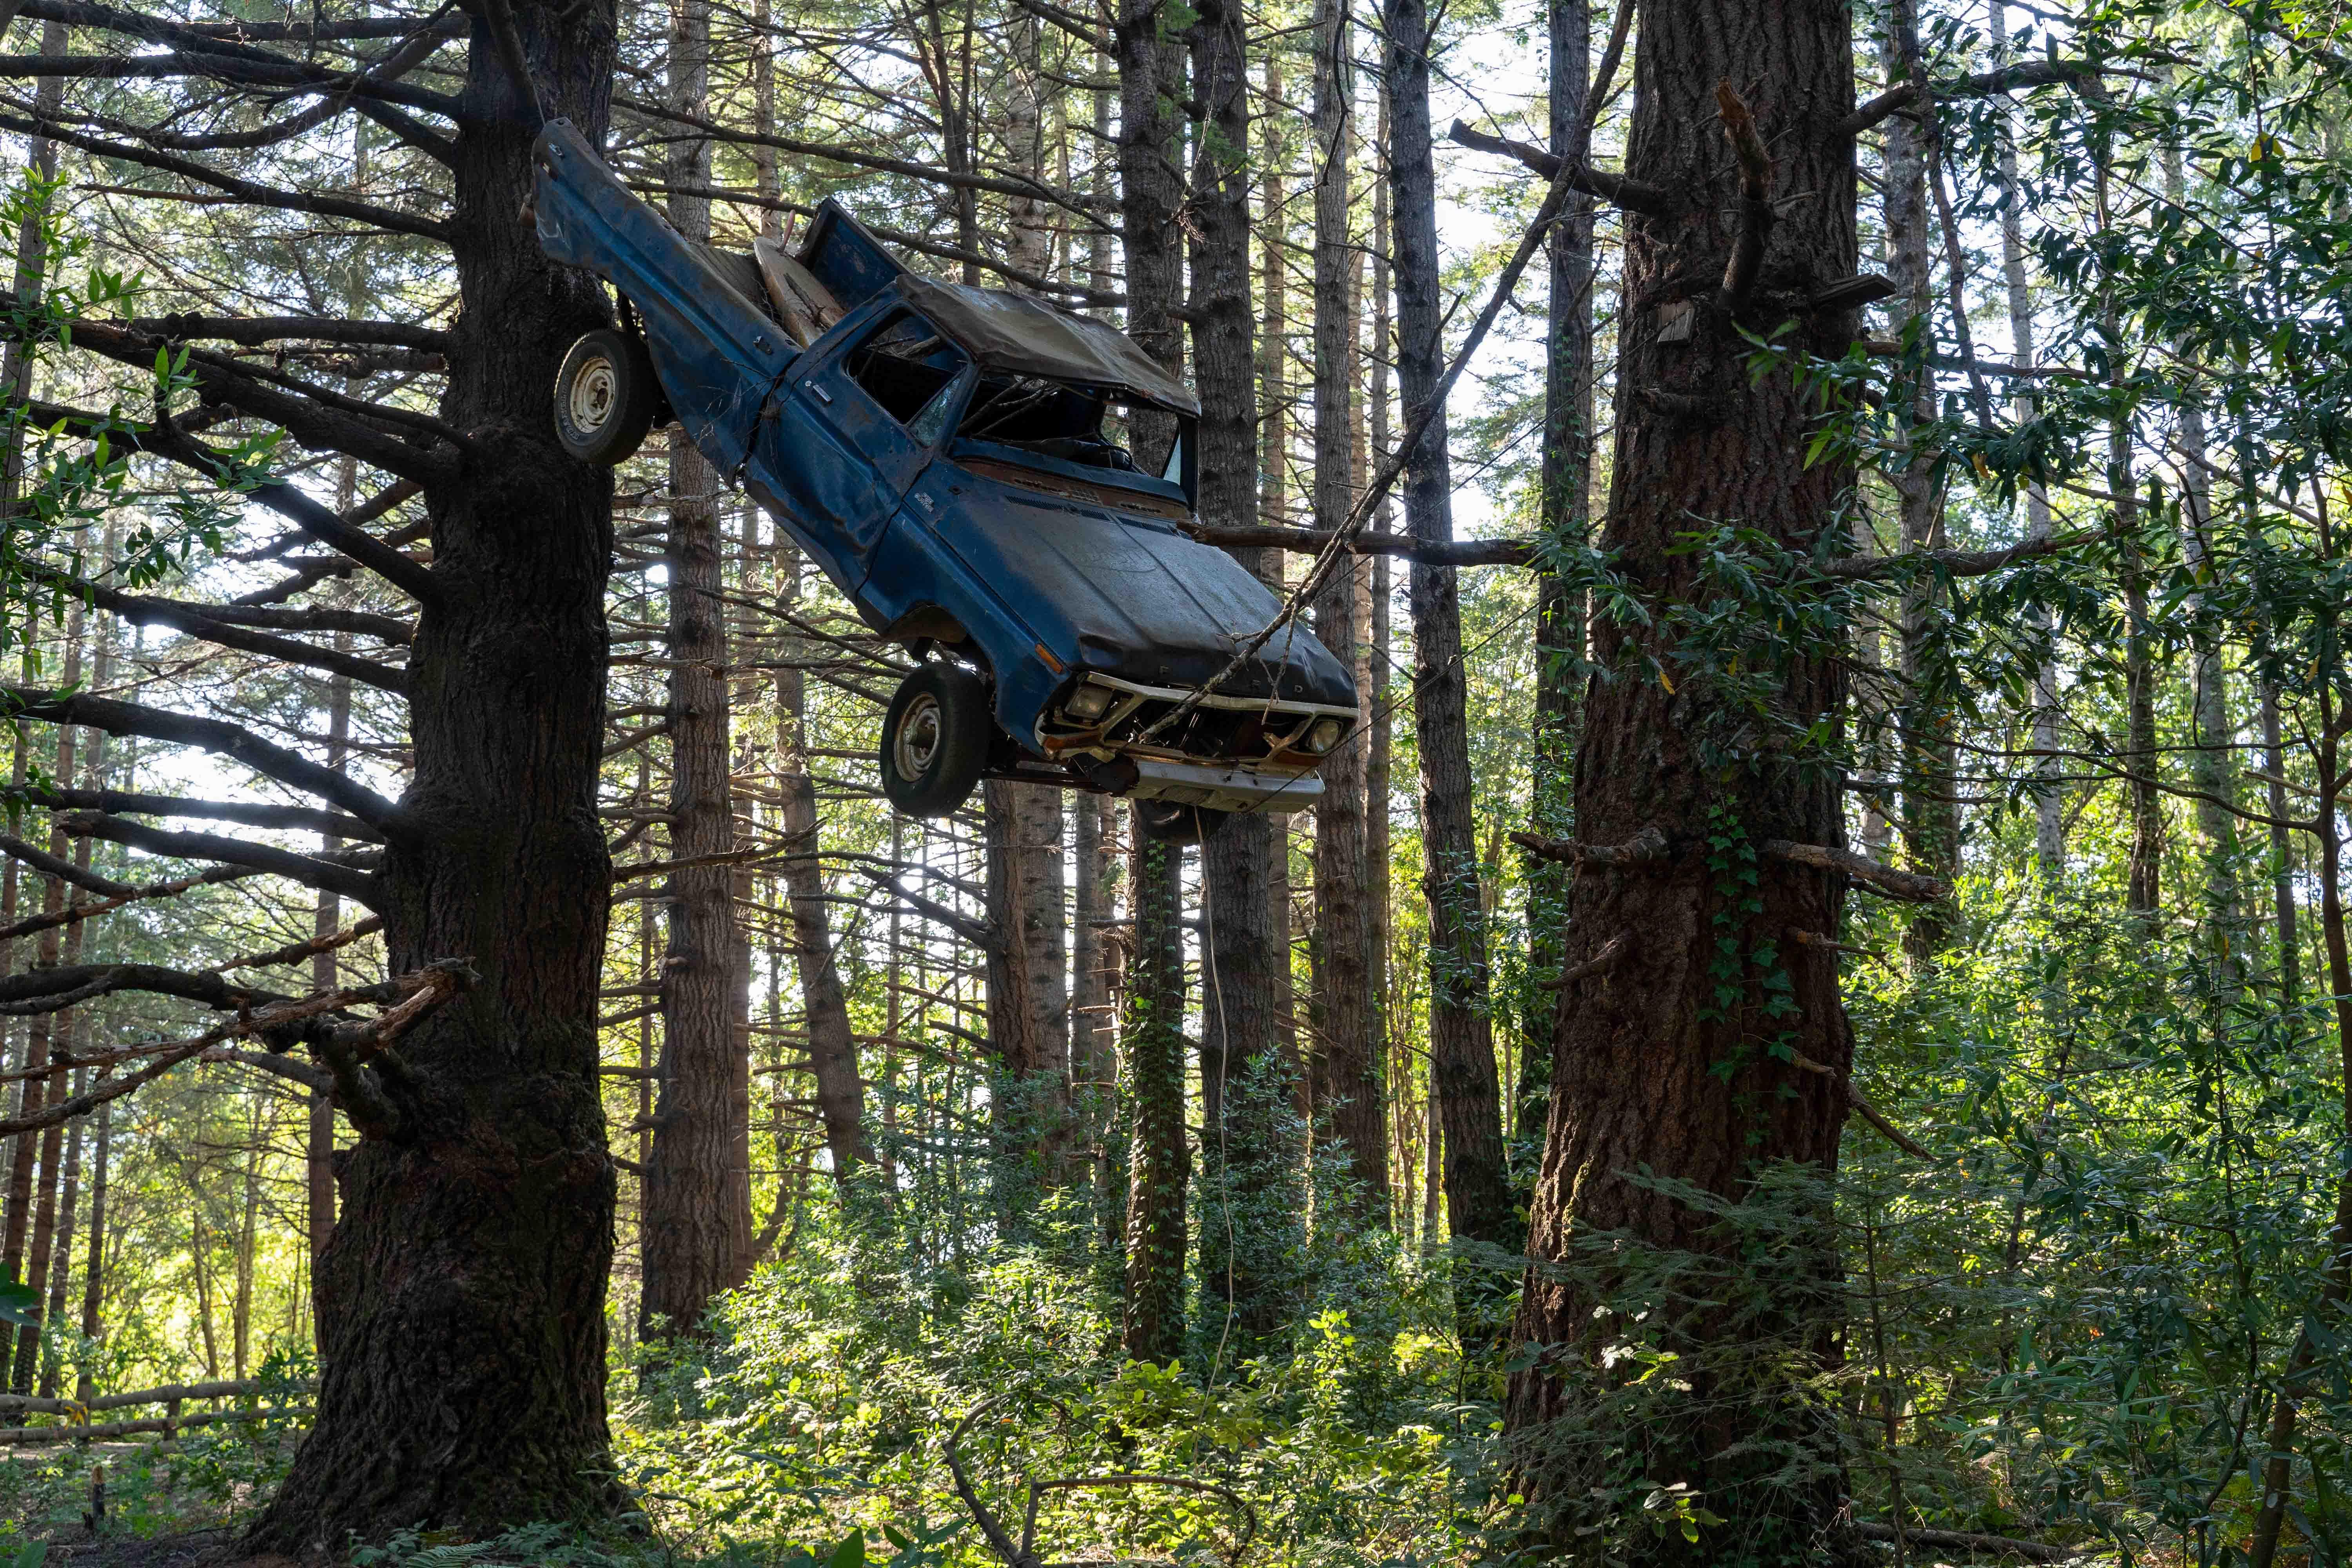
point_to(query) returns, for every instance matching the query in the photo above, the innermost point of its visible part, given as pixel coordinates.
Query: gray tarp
(1019, 336)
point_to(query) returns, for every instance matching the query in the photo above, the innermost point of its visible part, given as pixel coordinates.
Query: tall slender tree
(1478, 1201)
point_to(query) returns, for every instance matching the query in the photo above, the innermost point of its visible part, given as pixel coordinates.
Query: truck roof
(1014, 334)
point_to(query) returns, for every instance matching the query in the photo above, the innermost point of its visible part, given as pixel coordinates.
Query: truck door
(844, 453)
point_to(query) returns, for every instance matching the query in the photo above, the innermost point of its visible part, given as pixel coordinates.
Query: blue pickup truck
(952, 457)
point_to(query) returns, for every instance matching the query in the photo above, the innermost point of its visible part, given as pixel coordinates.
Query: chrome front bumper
(1216, 788)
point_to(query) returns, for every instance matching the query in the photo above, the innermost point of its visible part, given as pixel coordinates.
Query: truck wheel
(935, 740)
(604, 397)
(1163, 822)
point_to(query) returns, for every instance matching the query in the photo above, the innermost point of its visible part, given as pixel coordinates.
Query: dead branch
(1645, 847)
(1804, 938)
(1907, 885)
(1433, 552)
(1612, 952)
(1633, 195)
(1867, 1111)
(286, 1023)
(1756, 214)
(295, 952)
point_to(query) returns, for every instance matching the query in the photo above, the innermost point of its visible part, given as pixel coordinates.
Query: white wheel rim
(595, 388)
(921, 732)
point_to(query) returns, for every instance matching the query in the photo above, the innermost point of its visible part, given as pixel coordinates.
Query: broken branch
(1907, 885)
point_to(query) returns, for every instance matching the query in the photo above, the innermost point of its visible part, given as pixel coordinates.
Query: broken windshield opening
(1051, 419)
(907, 367)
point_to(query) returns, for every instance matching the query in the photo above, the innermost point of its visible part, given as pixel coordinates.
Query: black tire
(604, 397)
(935, 740)
(1163, 822)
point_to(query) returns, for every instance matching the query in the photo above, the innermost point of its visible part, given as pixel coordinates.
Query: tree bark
(46, 1031)
(93, 1288)
(832, 1047)
(62, 1262)
(1344, 1073)
(1930, 821)
(1246, 1092)
(463, 1292)
(1478, 1201)
(1672, 1060)
(1161, 1163)
(697, 1178)
(2049, 812)
(1564, 513)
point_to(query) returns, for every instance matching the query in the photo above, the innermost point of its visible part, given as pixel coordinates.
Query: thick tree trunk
(698, 1181)
(1564, 508)
(1344, 1074)
(1479, 1205)
(463, 1293)
(1655, 1066)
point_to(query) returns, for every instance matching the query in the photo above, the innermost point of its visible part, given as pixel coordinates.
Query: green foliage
(827, 1398)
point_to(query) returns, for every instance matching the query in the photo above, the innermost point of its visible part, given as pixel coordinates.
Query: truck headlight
(1087, 703)
(1321, 736)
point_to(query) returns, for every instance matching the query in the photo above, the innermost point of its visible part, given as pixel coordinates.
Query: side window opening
(904, 366)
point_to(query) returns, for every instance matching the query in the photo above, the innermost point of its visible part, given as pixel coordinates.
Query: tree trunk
(1930, 821)
(1345, 1078)
(463, 1293)
(1564, 509)
(1247, 1162)
(832, 1048)
(62, 1262)
(249, 1220)
(1161, 1163)
(327, 917)
(698, 1182)
(1679, 1058)
(93, 1288)
(2049, 812)
(1151, 82)
(1478, 1201)
(49, 1030)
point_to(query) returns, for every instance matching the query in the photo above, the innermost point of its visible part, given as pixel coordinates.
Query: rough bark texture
(1151, 81)
(698, 1180)
(1653, 1065)
(1344, 1063)
(832, 1049)
(1930, 821)
(463, 1293)
(1563, 512)
(2049, 806)
(47, 1032)
(1245, 1091)
(1478, 1201)
(1159, 1165)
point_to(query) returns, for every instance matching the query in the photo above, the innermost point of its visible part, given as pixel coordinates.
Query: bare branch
(217, 735)
(308, 869)
(1311, 540)
(1633, 195)
(1907, 885)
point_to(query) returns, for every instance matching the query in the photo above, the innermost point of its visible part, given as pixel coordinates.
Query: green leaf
(20, 1304)
(850, 1554)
